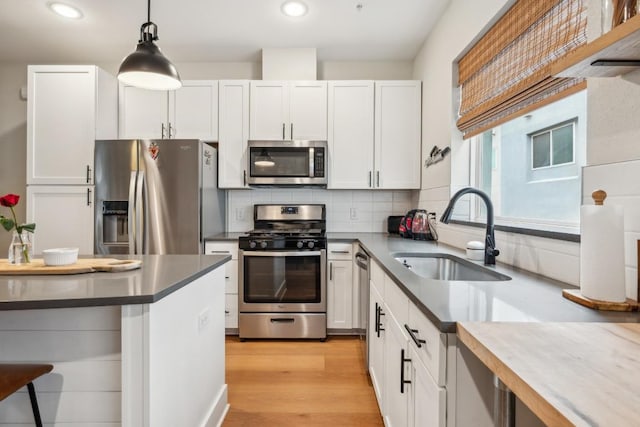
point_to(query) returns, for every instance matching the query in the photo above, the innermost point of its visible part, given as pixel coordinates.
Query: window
(552, 147)
(531, 168)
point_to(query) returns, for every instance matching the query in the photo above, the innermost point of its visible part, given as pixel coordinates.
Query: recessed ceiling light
(65, 10)
(294, 8)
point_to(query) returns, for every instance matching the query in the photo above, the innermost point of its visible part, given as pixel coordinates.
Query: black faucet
(490, 251)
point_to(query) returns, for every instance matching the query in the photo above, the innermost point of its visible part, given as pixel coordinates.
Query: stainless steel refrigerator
(156, 196)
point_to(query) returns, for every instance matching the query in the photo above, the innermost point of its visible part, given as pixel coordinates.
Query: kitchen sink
(439, 266)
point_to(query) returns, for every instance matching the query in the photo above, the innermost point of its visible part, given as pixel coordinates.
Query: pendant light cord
(149, 11)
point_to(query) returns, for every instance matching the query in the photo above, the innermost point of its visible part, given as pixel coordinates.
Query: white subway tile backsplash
(617, 179)
(347, 210)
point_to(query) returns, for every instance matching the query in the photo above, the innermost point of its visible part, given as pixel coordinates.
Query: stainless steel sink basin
(440, 266)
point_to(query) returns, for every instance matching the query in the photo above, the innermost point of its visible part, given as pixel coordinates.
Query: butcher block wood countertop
(582, 374)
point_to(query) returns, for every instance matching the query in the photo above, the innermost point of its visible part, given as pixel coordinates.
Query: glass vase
(20, 249)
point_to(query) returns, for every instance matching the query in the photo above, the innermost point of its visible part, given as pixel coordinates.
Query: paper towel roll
(602, 274)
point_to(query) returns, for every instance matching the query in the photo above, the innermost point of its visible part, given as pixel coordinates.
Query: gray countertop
(159, 276)
(527, 297)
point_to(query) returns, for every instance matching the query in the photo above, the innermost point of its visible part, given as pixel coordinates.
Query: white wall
(13, 136)
(613, 138)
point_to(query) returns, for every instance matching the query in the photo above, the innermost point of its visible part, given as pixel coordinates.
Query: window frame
(550, 130)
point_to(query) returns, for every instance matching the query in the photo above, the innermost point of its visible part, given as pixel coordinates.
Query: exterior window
(531, 167)
(552, 147)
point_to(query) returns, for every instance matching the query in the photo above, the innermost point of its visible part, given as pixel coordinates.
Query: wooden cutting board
(83, 265)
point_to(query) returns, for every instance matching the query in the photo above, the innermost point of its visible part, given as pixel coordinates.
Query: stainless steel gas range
(282, 273)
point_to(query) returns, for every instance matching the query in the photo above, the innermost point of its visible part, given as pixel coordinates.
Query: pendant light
(147, 67)
(264, 159)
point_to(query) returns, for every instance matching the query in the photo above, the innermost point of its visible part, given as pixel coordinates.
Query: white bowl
(475, 250)
(60, 256)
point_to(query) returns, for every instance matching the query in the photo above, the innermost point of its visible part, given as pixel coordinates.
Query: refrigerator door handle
(131, 213)
(141, 234)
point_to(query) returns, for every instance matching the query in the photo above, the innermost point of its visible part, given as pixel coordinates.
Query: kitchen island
(137, 348)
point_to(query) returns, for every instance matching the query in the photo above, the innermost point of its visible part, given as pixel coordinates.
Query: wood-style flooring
(299, 383)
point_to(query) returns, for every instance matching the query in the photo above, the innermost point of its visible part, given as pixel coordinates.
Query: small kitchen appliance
(282, 284)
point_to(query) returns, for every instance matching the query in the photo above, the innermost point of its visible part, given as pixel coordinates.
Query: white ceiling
(216, 30)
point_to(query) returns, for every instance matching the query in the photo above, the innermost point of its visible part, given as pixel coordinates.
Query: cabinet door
(397, 134)
(350, 134)
(231, 311)
(193, 110)
(233, 110)
(375, 340)
(427, 407)
(63, 217)
(308, 111)
(340, 295)
(61, 124)
(269, 110)
(143, 113)
(396, 370)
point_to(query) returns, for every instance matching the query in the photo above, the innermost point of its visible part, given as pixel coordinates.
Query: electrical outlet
(353, 213)
(203, 319)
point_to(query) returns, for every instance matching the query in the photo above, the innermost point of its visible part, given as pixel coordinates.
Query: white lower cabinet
(375, 340)
(407, 358)
(397, 381)
(340, 286)
(427, 401)
(63, 215)
(230, 280)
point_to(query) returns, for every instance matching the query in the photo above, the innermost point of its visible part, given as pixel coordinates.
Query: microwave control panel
(318, 169)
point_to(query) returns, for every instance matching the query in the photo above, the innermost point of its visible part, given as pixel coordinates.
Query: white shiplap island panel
(159, 363)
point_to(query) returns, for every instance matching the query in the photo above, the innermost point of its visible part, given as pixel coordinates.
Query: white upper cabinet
(397, 134)
(68, 107)
(189, 112)
(282, 110)
(350, 134)
(234, 133)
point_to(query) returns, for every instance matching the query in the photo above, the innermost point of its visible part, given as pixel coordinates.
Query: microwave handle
(312, 157)
(283, 138)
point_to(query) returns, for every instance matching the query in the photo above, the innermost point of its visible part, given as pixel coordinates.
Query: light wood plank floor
(299, 383)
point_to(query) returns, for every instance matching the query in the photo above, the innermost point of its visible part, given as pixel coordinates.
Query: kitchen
(610, 149)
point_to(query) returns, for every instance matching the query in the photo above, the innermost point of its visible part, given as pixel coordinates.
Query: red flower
(9, 200)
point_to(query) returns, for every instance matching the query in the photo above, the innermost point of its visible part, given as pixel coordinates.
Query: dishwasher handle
(362, 260)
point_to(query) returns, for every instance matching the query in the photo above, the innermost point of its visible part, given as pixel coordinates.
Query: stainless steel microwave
(287, 163)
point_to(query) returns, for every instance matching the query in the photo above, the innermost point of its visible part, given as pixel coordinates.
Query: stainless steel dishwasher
(362, 261)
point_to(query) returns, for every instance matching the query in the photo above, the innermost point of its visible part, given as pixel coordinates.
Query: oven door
(282, 281)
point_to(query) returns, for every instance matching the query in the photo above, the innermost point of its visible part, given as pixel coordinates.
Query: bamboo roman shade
(507, 72)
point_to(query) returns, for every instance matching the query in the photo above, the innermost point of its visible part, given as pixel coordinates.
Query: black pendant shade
(147, 67)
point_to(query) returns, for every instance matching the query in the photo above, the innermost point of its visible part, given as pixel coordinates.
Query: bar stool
(14, 376)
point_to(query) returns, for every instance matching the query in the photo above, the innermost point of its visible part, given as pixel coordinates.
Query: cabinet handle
(220, 252)
(162, 131)
(370, 173)
(170, 133)
(379, 321)
(402, 380)
(244, 173)
(88, 174)
(283, 131)
(330, 271)
(378, 179)
(226, 312)
(415, 339)
(291, 134)
(88, 197)
(339, 252)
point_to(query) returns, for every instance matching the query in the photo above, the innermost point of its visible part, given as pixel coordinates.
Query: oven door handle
(283, 253)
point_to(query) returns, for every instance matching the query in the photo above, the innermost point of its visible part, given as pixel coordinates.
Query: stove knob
(300, 244)
(263, 244)
(311, 244)
(252, 244)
